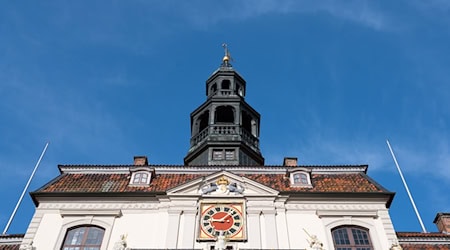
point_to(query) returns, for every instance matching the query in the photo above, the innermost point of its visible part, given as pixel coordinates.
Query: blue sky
(104, 81)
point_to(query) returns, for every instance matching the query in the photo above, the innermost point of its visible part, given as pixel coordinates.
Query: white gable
(221, 184)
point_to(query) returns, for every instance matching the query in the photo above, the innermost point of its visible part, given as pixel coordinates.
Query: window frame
(85, 237)
(137, 176)
(336, 218)
(303, 182)
(228, 153)
(223, 154)
(352, 243)
(73, 218)
(218, 154)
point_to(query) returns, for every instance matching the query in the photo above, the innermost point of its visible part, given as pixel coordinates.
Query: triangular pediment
(222, 184)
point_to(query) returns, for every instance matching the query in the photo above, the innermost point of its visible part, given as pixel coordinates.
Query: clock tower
(225, 129)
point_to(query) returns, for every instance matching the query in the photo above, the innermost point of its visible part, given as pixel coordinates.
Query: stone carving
(26, 247)
(209, 188)
(396, 247)
(314, 242)
(235, 188)
(221, 241)
(122, 243)
(222, 186)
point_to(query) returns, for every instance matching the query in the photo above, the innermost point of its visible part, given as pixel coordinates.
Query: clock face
(221, 219)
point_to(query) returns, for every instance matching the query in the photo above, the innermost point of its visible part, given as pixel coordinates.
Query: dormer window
(300, 177)
(141, 176)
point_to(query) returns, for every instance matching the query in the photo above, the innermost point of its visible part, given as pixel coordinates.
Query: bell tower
(225, 129)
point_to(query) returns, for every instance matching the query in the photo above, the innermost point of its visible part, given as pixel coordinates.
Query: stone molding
(115, 212)
(91, 206)
(293, 207)
(251, 204)
(353, 213)
(125, 169)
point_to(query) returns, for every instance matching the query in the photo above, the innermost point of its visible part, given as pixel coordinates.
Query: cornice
(95, 211)
(71, 208)
(174, 169)
(329, 208)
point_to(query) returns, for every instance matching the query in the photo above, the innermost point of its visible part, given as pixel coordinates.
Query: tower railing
(225, 92)
(217, 130)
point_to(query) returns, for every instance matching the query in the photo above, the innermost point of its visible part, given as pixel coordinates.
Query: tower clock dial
(222, 219)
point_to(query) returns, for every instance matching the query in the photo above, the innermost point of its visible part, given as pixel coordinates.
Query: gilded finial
(227, 57)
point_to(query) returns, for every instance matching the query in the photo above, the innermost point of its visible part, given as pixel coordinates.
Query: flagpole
(406, 187)
(25, 189)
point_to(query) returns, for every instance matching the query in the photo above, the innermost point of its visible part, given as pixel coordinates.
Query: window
(217, 154)
(224, 114)
(229, 154)
(140, 178)
(220, 154)
(204, 120)
(351, 238)
(83, 238)
(301, 178)
(247, 122)
(226, 84)
(213, 88)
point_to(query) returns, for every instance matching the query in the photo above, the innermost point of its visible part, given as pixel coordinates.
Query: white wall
(271, 223)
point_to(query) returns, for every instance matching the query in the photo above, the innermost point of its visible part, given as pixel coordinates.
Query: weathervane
(227, 57)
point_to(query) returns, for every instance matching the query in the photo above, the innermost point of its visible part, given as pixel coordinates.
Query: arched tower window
(203, 121)
(84, 237)
(224, 114)
(247, 122)
(351, 238)
(213, 88)
(226, 84)
(238, 89)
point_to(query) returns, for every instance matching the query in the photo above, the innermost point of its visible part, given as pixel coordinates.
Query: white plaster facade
(171, 221)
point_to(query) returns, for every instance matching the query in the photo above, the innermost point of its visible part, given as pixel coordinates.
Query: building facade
(223, 197)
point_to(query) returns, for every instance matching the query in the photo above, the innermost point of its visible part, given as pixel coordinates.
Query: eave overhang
(386, 197)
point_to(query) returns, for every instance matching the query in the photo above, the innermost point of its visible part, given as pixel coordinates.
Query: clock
(225, 219)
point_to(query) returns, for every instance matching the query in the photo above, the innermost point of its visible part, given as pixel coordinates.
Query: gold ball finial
(227, 57)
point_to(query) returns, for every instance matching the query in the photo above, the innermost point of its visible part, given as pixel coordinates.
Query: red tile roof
(425, 247)
(346, 183)
(424, 241)
(10, 241)
(114, 182)
(424, 235)
(9, 247)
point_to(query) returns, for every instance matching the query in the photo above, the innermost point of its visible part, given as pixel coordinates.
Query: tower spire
(227, 57)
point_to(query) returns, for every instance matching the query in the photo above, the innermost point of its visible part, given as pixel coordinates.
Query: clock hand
(221, 219)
